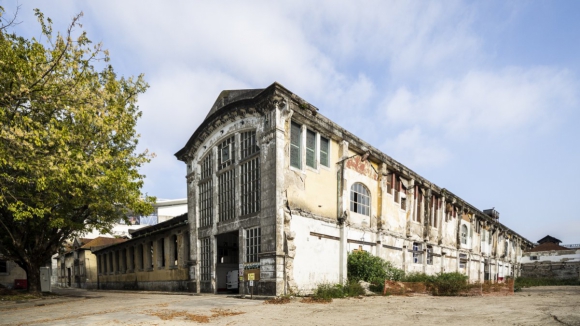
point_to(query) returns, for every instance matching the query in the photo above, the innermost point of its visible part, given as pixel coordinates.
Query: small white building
(551, 260)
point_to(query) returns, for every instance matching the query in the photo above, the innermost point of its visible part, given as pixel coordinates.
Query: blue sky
(481, 98)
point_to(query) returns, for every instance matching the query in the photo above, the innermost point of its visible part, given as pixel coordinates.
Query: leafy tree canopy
(68, 159)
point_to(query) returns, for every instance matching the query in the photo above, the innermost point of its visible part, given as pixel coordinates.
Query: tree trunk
(33, 277)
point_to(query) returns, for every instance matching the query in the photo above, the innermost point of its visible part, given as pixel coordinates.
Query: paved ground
(534, 306)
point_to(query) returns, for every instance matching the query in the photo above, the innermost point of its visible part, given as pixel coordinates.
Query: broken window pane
(248, 144)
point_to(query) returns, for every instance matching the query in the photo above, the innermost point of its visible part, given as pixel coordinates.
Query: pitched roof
(548, 238)
(101, 242)
(547, 246)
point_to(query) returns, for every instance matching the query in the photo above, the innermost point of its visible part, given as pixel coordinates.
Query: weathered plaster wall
(13, 272)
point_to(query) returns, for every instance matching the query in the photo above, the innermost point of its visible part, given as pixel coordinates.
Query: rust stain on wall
(363, 167)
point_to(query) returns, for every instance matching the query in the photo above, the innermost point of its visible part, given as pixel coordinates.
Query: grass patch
(278, 300)
(524, 282)
(327, 291)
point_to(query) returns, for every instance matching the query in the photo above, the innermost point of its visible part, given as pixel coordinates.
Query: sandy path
(534, 306)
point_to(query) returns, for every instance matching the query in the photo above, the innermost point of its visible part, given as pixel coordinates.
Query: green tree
(68, 159)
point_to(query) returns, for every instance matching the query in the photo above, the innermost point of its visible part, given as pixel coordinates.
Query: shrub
(418, 277)
(448, 283)
(353, 289)
(363, 266)
(327, 291)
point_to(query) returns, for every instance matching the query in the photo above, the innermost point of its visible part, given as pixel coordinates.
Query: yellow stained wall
(315, 190)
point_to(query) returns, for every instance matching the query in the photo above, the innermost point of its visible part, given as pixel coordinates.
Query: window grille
(248, 144)
(206, 167)
(253, 237)
(324, 150)
(311, 149)
(250, 186)
(360, 199)
(206, 203)
(226, 153)
(227, 195)
(417, 254)
(295, 145)
(429, 255)
(205, 266)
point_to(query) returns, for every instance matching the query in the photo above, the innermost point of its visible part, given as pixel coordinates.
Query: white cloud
(493, 103)
(417, 150)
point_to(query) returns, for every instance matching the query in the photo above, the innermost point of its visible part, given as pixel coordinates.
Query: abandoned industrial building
(278, 195)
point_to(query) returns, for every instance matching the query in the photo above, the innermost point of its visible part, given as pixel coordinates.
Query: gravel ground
(532, 306)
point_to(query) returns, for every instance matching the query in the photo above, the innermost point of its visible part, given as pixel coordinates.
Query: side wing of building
(280, 194)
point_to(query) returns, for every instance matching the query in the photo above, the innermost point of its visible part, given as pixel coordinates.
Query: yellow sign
(250, 276)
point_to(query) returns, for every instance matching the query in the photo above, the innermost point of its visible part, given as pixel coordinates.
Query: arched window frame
(360, 199)
(464, 232)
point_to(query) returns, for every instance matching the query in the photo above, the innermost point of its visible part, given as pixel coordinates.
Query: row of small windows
(142, 257)
(317, 148)
(249, 173)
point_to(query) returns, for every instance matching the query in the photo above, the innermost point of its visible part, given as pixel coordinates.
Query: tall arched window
(464, 234)
(360, 200)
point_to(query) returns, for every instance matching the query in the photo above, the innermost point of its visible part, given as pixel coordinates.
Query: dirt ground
(532, 306)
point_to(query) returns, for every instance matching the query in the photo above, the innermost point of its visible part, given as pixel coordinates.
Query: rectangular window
(417, 253)
(295, 145)
(206, 167)
(248, 144)
(226, 153)
(324, 150)
(174, 245)
(311, 149)
(534, 258)
(3, 266)
(429, 255)
(151, 256)
(161, 253)
(206, 203)
(131, 260)
(390, 183)
(226, 190)
(397, 189)
(253, 237)
(403, 203)
(140, 259)
(205, 264)
(250, 186)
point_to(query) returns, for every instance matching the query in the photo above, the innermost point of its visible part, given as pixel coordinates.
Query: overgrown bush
(327, 291)
(448, 284)
(419, 277)
(363, 266)
(530, 281)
